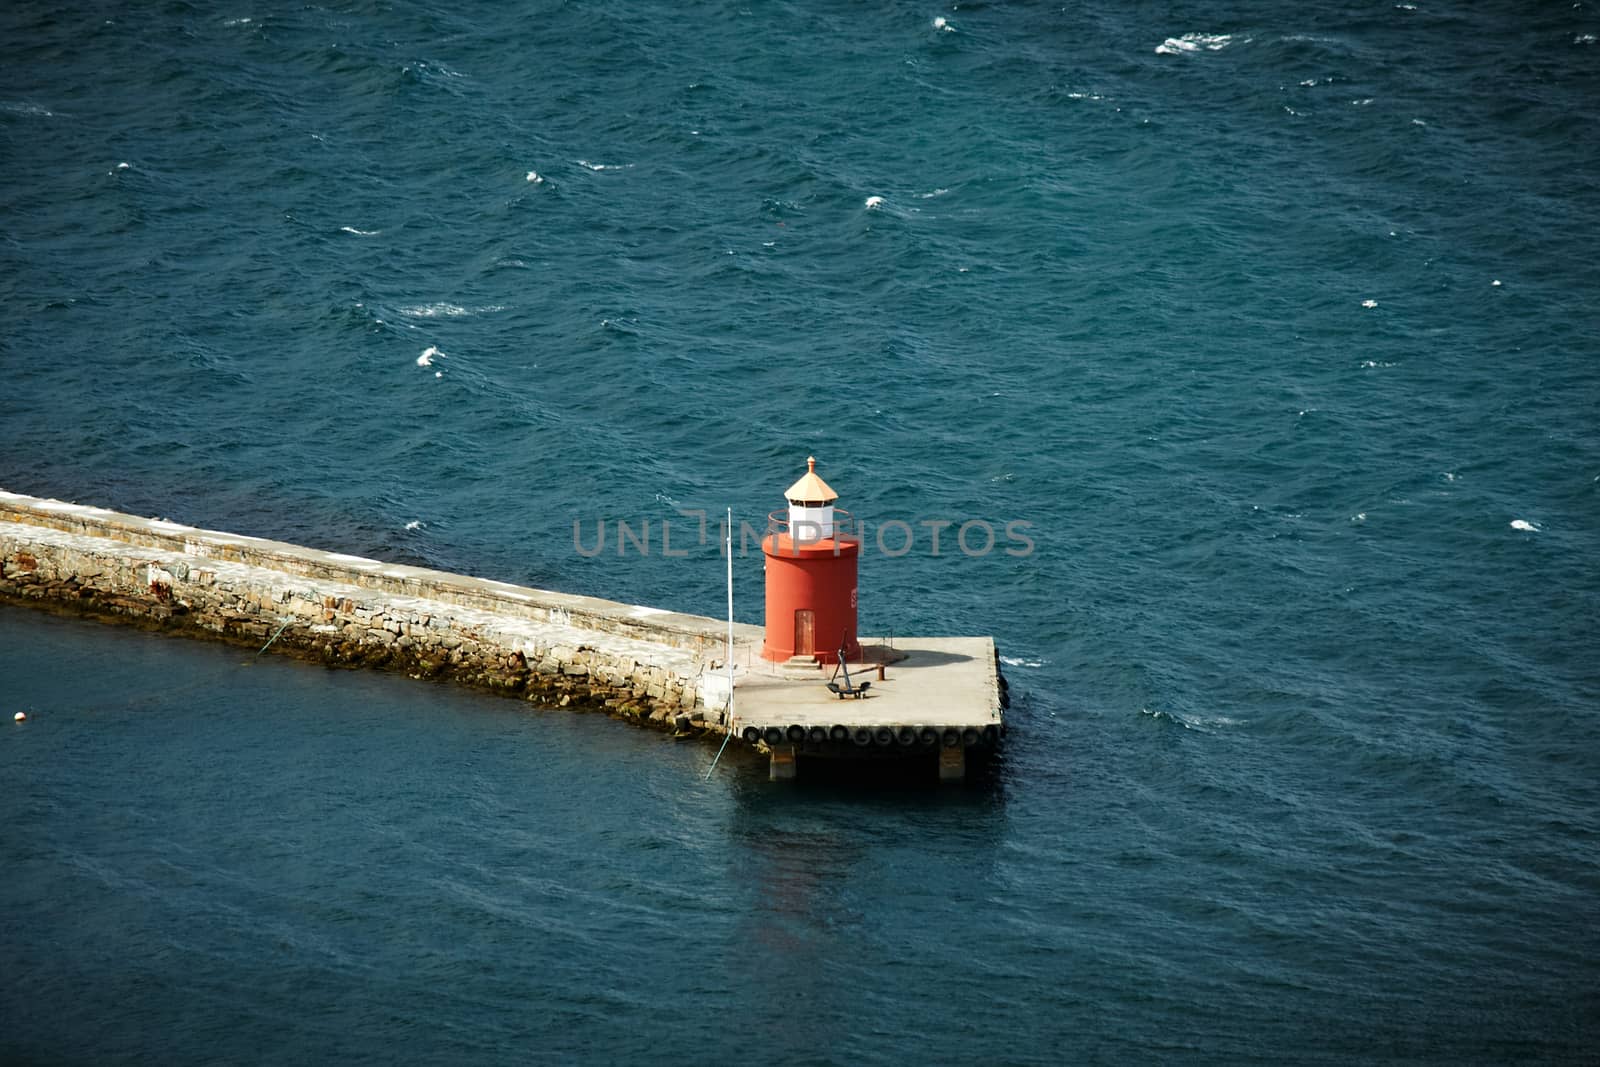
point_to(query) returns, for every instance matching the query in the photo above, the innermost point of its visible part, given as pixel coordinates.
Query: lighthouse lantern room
(811, 554)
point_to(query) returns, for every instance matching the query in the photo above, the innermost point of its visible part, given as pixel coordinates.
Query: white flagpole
(727, 720)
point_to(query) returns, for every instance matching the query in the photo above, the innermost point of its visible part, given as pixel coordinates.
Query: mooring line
(725, 738)
(274, 637)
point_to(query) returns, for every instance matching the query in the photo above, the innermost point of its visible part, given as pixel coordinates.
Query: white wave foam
(359, 233)
(1495, 283)
(1198, 723)
(535, 178)
(1525, 526)
(424, 68)
(874, 202)
(28, 109)
(1363, 102)
(1369, 303)
(1194, 42)
(415, 524)
(238, 22)
(1584, 38)
(1018, 661)
(1360, 516)
(586, 165)
(1373, 364)
(942, 23)
(427, 357)
(930, 196)
(434, 311)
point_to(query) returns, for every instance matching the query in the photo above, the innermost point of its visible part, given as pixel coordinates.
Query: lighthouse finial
(811, 463)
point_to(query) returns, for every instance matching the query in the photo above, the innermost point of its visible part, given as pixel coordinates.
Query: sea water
(1271, 329)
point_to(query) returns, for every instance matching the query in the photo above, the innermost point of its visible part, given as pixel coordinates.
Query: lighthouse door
(805, 632)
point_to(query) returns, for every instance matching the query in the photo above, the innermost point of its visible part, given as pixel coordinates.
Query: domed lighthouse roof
(810, 489)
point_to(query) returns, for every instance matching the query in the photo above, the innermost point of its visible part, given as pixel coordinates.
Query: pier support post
(782, 767)
(952, 764)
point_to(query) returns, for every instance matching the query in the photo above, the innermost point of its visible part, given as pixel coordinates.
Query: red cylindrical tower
(811, 552)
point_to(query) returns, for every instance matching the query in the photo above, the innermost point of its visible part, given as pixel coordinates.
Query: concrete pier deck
(934, 696)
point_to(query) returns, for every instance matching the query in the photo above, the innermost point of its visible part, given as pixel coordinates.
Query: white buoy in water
(22, 716)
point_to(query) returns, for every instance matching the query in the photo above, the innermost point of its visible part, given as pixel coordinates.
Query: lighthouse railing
(843, 527)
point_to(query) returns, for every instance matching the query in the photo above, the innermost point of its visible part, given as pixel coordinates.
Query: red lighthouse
(811, 552)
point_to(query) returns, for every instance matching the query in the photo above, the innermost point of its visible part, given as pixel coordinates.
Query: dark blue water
(1276, 323)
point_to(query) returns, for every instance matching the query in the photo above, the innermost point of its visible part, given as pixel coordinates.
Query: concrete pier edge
(556, 649)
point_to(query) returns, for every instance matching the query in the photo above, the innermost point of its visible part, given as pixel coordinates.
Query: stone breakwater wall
(555, 649)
